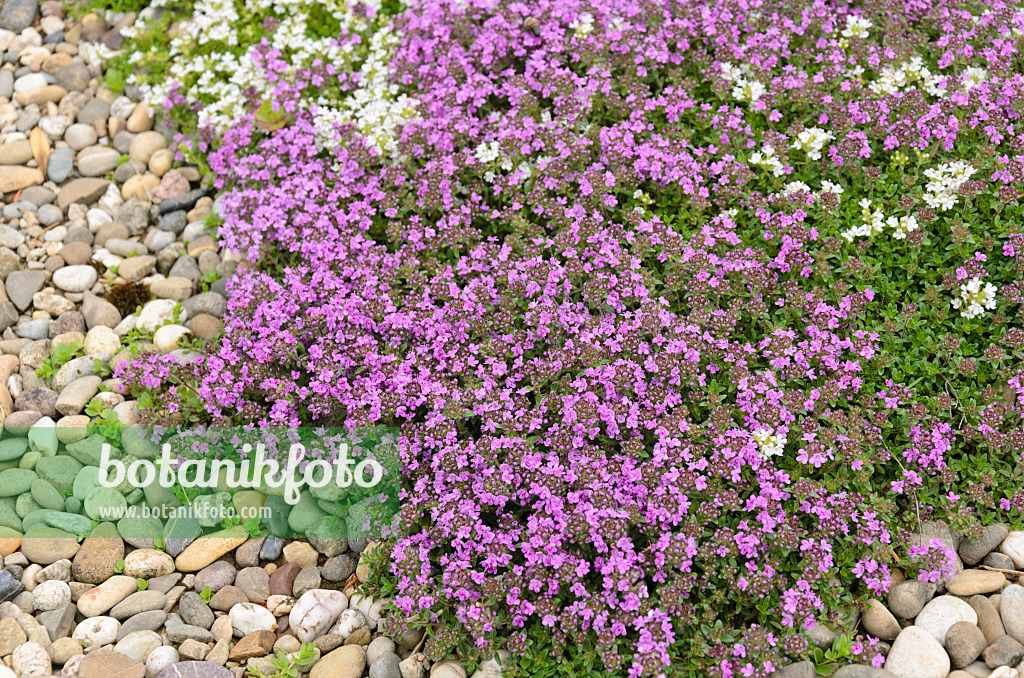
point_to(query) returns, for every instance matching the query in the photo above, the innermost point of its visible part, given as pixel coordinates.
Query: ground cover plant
(688, 313)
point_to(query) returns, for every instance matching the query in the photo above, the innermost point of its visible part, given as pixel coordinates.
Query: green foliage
(119, 566)
(206, 594)
(104, 421)
(142, 584)
(59, 355)
(287, 666)
(840, 653)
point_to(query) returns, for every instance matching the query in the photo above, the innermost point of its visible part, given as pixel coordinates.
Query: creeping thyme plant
(688, 312)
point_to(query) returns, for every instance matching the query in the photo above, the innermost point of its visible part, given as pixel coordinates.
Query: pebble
(97, 631)
(941, 613)
(1011, 611)
(315, 613)
(248, 618)
(907, 598)
(916, 654)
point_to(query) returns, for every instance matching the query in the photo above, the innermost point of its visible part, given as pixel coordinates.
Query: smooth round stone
(907, 598)
(964, 643)
(148, 563)
(159, 659)
(1013, 546)
(941, 613)
(974, 582)
(879, 621)
(916, 654)
(1011, 611)
(75, 278)
(51, 595)
(248, 618)
(97, 631)
(79, 136)
(316, 612)
(138, 645)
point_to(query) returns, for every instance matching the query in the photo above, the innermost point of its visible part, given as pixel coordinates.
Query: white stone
(916, 654)
(942, 612)
(167, 337)
(102, 339)
(75, 278)
(248, 618)
(29, 82)
(30, 660)
(157, 312)
(159, 659)
(349, 622)
(1013, 546)
(51, 595)
(316, 612)
(370, 608)
(1011, 610)
(138, 645)
(97, 631)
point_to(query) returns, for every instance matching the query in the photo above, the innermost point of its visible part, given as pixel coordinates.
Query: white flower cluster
(206, 52)
(769, 444)
(857, 27)
(583, 25)
(944, 181)
(744, 88)
(767, 160)
(973, 76)
(376, 106)
(874, 223)
(975, 297)
(907, 76)
(812, 141)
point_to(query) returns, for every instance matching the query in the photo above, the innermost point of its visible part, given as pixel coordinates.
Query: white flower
(856, 27)
(975, 298)
(748, 90)
(973, 77)
(829, 187)
(902, 226)
(812, 141)
(944, 181)
(583, 25)
(767, 160)
(795, 187)
(769, 444)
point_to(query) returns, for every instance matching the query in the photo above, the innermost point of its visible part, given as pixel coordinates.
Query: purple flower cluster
(643, 383)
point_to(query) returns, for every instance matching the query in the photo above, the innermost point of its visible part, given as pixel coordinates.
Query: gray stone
(964, 643)
(907, 598)
(21, 285)
(59, 623)
(179, 633)
(1003, 651)
(210, 303)
(272, 548)
(182, 202)
(972, 551)
(142, 601)
(216, 575)
(62, 161)
(173, 222)
(17, 15)
(144, 621)
(194, 611)
(9, 586)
